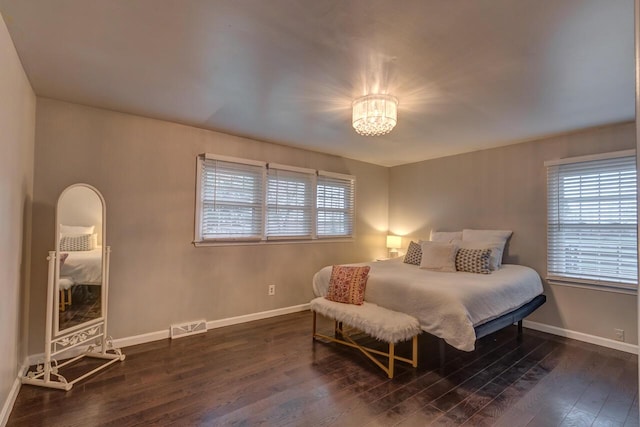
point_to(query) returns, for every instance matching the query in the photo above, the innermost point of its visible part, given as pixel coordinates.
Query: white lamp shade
(394, 242)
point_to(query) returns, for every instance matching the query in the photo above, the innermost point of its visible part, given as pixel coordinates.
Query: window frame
(351, 211)
(311, 196)
(199, 240)
(199, 202)
(584, 282)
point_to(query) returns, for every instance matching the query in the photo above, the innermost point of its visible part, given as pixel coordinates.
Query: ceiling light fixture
(375, 115)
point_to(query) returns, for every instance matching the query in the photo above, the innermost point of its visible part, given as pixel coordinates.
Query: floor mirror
(77, 291)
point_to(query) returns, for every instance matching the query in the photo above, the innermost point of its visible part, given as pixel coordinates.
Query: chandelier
(375, 115)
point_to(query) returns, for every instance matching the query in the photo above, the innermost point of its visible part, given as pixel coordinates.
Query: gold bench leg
(345, 339)
(392, 359)
(65, 298)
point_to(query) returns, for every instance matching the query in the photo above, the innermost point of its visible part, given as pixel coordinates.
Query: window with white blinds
(231, 200)
(335, 202)
(289, 202)
(592, 220)
(246, 200)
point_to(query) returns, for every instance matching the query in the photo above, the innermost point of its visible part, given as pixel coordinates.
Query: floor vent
(189, 328)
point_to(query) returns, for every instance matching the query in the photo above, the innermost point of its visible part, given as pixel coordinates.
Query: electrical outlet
(272, 290)
(619, 334)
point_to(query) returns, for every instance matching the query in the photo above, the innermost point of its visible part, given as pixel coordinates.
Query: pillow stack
(472, 251)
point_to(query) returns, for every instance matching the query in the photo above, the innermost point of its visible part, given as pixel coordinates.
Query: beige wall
(17, 122)
(146, 171)
(505, 188)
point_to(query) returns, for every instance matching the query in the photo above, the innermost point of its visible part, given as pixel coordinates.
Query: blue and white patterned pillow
(473, 260)
(81, 242)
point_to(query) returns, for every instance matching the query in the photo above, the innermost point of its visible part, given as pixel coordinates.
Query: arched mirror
(77, 290)
(80, 270)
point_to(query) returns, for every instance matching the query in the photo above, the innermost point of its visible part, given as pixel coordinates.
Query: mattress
(447, 305)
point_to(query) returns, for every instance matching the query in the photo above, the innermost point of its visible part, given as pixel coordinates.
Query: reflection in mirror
(79, 243)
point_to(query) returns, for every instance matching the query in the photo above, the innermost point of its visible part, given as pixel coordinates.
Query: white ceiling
(469, 74)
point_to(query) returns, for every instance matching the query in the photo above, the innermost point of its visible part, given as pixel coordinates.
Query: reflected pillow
(437, 256)
(473, 260)
(414, 254)
(76, 229)
(63, 258)
(81, 242)
(347, 284)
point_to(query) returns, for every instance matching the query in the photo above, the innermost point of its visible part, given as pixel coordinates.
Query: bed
(457, 307)
(82, 267)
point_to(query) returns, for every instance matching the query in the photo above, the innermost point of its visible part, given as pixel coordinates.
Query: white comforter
(83, 267)
(447, 305)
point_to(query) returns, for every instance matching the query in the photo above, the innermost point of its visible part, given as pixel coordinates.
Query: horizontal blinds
(231, 200)
(335, 205)
(592, 222)
(289, 203)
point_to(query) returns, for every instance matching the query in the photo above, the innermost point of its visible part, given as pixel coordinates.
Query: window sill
(601, 288)
(272, 242)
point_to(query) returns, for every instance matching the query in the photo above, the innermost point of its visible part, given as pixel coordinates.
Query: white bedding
(83, 267)
(447, 305)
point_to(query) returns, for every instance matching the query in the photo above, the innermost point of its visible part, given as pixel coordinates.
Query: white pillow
(438, 256)
(497, 247)
(488, 236)
(76, 229)
(445, 236)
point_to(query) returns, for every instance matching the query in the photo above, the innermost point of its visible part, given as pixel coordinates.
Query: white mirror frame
(104, 274)
(88, 339)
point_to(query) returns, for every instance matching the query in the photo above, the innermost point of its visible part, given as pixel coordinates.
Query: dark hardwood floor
(270, 373)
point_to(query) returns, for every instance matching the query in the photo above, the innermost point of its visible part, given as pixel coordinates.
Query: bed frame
(503, 321)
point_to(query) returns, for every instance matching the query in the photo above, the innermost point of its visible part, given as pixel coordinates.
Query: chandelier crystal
(375, 115)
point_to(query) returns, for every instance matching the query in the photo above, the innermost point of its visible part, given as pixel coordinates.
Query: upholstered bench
(378, 322)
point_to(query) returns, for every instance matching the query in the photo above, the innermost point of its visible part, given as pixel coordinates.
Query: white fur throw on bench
(381, 323)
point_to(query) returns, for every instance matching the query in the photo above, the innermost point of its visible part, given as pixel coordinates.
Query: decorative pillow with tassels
(347, 284)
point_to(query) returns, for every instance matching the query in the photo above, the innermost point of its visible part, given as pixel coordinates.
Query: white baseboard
(213, 324)
(141, 339)
(13, 394)
(580, 336)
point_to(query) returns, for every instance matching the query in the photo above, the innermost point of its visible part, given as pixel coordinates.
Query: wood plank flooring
(271, 373)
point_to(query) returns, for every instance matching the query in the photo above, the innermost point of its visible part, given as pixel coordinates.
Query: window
(334, 205)
(244, 200)
(231, 199)
(592, 220)
(289, 202)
